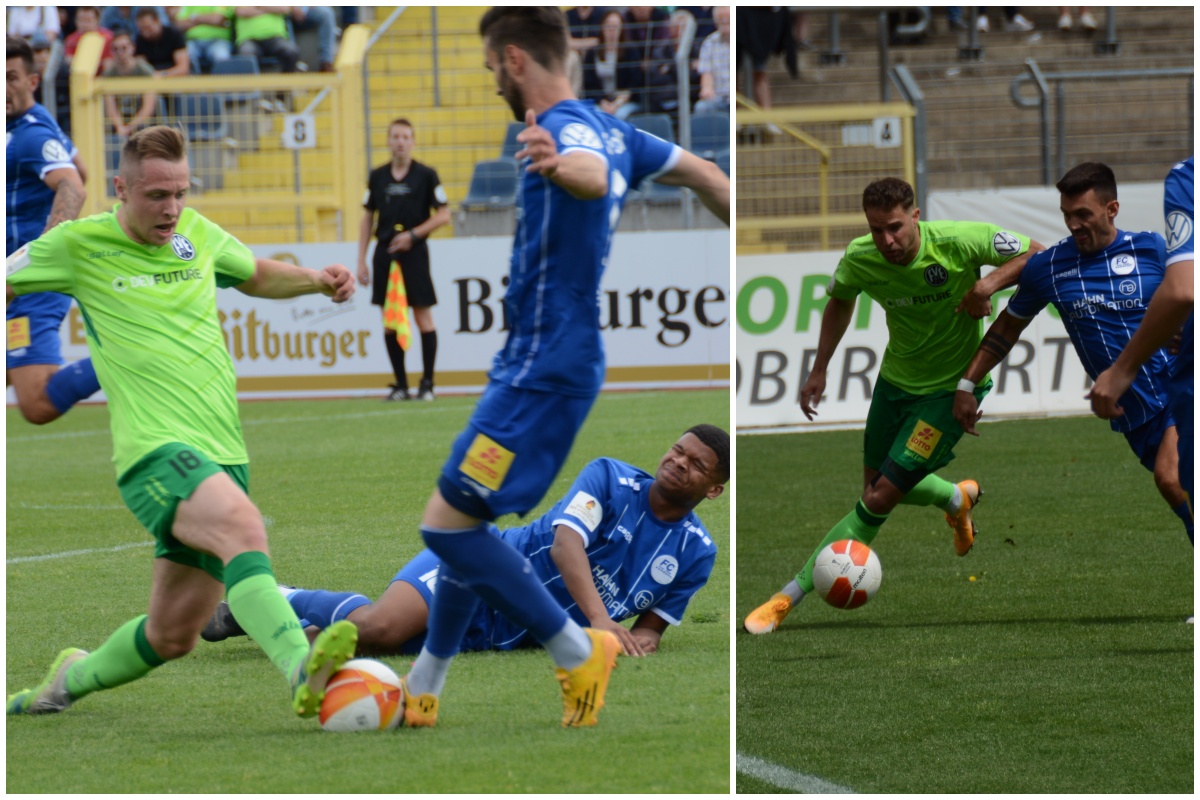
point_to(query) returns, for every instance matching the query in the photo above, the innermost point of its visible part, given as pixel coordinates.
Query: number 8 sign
(299, 131)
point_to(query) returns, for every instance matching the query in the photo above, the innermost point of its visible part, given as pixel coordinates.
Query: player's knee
(171, 645)
(376, 634)
(38, 411)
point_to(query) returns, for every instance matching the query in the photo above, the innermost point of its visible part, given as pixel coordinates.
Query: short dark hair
(1089, 175)
(716, 440)
(19, 48)
(144, 10)
(540, 31)
(887, 193)
(158, 141)
(402, 121)
(93, 9)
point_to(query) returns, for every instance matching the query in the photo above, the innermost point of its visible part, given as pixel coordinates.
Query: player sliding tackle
(147, 274)
(579, 165)
(620, 543)
(1100, 279)
(924, 274)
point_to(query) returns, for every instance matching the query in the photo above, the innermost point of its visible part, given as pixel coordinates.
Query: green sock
(262, 612)
(859, 524)
(124, 657)
(931, 491)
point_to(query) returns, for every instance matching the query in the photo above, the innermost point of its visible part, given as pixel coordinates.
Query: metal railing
(1041, 82)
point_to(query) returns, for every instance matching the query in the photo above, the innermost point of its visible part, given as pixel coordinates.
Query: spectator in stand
(609, 74)
(41, 59)
(262, 32)
(320, 19)
(1086, 20)
(583, 23)
(128, 112)
(208, 31)
(705, 24)
(121, 18)
(25, 21)
(87, 20)
(1014, 22)
(714, 66)
(762, 33)
(161, 46)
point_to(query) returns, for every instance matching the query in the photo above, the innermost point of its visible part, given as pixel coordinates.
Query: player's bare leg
(384, 626)
(29, 383)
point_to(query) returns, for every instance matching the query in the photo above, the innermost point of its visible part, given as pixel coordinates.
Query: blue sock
(450, 614)
(321, 608)
(1184, 512)
(72, 383)
(501, 576)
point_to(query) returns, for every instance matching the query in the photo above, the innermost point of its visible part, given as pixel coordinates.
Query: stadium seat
(511, 146)
(657, 124)
(493, 184)
(203, 117)
(238, 65)
(710, 134)
(723, 160)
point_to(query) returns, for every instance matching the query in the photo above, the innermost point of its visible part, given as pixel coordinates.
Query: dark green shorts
(153, 487)
(908, 436)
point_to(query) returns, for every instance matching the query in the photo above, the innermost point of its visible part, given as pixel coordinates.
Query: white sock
(955, 501)
(428, 674)
(570, 647)
(793, 591)
(286, 591)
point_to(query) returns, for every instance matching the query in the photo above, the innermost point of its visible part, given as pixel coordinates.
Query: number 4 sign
(299, 131)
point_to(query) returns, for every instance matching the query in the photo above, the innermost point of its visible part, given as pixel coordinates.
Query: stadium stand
(710, 134)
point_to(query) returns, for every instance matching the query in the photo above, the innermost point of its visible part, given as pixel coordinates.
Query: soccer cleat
(425, 390)
(332, 648)
(769, 615)
(583, 687)
(420, 711)
(397, 394)
(221, 625)
(962, 522)
(51, 695)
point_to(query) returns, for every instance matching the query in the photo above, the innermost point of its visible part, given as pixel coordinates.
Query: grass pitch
(342, 485)
(1065, 666)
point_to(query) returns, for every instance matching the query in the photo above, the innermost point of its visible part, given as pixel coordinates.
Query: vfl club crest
(577, 134)
(1006, 244)
(936, 275)
(182, 247)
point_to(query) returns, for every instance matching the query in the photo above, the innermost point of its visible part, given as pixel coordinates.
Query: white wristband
(966, 386)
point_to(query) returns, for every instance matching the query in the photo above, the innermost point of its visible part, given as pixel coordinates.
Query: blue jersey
(1179, 211)
(560, 250)
(639, 563)
(1102, 299)
(34, 147)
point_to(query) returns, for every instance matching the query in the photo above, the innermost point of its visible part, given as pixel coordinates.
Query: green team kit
(929, 344)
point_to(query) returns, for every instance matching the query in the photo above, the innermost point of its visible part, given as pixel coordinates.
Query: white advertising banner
(664, 310)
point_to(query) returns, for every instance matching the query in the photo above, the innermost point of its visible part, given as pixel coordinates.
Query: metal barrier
(801, 188)
(240, 130)
(1042, 80)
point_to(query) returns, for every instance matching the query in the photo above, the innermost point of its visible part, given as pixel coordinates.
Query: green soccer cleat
(51, 695)
(332, 648)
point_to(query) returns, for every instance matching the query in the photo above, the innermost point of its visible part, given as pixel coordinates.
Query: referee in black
(411, 204)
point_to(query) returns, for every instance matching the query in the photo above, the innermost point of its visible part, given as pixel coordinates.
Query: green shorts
(908, 436)
(153, 487)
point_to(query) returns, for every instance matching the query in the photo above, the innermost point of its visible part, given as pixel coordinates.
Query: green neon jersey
(929, 345)
(152, 327)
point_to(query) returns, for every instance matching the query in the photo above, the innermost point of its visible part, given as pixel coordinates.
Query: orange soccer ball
(364, 695)
(847, 574)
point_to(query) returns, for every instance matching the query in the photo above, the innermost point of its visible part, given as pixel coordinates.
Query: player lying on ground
(43, 187)
(924, 275)
(579, 165)
(1100, 279)
(147, 273)
(620, 543)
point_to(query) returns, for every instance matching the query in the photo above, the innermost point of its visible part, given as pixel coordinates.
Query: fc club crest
(182, 247)
(936, 275)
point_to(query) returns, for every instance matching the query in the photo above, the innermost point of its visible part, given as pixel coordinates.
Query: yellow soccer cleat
(420, 711)
(963, 525)
(51, 695)
(769, 615)
(583, 687)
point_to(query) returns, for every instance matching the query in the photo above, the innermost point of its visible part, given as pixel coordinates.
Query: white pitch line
(69, 553)
(785, 778)
(60, 507)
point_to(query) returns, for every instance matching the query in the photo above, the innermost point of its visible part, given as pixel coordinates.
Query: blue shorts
(33, 324)
(1145, 439)
(512, 449)
(487, 631)
(1182, 404)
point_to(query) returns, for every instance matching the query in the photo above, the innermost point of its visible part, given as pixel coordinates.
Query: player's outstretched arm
(705, 178)
(582, 174)
(1168, 309)
(834, 322)
(998, 340)
(978, 301)
(648, 630)
(571, 559)
(279, 280)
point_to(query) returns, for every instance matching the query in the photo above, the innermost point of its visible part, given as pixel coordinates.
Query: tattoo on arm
(995, 345)
(68, 201)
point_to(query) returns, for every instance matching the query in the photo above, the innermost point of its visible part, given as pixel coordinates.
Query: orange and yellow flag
(395, 307)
